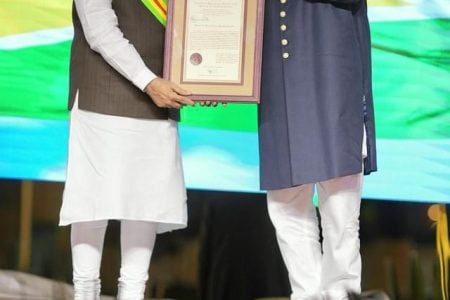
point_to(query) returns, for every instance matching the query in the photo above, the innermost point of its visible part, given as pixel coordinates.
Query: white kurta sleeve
(102, 32)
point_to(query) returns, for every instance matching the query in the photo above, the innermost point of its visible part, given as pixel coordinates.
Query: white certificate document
(213, 41)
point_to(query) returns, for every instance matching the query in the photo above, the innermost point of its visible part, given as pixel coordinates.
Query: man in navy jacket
(316, 127)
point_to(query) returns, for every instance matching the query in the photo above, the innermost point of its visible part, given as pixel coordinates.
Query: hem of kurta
(309, 181)
(161, 226)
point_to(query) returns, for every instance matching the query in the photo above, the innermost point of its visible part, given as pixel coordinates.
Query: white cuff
(143, 78)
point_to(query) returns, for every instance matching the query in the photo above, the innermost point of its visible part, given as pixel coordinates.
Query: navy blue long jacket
(316, 92)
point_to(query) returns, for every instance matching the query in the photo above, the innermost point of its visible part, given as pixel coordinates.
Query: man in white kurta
(120, 167)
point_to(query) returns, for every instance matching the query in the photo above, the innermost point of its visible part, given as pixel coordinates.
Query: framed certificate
(213, 48)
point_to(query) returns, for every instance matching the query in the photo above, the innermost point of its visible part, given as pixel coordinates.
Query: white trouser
(316, 272)
(137, 241)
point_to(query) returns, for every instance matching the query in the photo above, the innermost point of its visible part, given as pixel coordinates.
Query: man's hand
(211, 103)
(167, 94)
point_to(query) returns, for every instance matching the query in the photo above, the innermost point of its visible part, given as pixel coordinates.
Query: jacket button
(283, 1)
(283, 27)
(282, 14)
(285, 55)
(284, 42)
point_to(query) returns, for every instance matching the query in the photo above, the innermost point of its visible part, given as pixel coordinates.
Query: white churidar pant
(137, 241)
(313, 274)
(318, 271)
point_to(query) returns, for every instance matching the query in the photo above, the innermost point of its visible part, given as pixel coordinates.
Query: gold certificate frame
(214, 48)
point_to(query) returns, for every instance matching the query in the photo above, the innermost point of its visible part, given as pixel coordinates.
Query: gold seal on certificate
(213, 48)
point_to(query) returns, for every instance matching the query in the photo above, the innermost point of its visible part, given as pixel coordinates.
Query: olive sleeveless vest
(101, 88)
